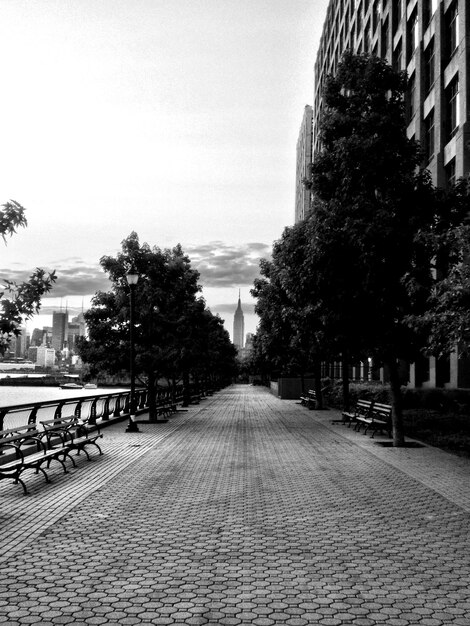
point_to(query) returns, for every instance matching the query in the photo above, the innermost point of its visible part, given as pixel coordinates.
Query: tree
(166, 313)
(446, 321)
(290, 329)
(19, 301)
(371, 203)
(273, 348)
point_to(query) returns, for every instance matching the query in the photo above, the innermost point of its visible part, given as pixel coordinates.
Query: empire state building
(238, 326)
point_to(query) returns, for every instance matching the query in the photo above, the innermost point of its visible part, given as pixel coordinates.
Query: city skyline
(46, 314)
(175, 120)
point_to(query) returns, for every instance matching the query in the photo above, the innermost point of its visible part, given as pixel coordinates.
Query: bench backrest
(28, 429)
(363, 407)
(63, 422)
(382, 411)
(17, 439)
(312, 393)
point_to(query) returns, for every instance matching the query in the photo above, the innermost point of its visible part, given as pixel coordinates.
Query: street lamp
(132, 278)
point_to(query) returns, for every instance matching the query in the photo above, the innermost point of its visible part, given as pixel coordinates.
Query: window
(384, 39)
(452, 108)
(430, 7)
(396, 15)
(375, 15)
(367, 38)
(451, 21)
(397, 57)
(411, 97)
(450, 172)
(429, 136)
(412, 35)
(359, 21)
(429, 67)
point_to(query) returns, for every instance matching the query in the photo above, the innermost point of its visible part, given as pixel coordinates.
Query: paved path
(244, 510)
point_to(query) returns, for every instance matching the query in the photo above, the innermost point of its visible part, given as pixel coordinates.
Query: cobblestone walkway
(244, 510)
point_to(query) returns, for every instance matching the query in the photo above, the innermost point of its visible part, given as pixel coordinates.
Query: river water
(11, 395)
(22, 395)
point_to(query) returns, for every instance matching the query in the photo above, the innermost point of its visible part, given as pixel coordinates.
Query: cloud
(219, 264)
(77, 280)
(223, 265)
(80, 281)
(52, 308)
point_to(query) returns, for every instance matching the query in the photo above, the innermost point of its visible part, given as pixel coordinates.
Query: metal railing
(98, 406)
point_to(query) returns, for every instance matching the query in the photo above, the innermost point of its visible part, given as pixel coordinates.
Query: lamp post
(132, 278)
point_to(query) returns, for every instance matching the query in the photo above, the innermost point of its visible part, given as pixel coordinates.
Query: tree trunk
(318, 387)
(186, 389)
(398, 431)
(153, 415)
(345, 380)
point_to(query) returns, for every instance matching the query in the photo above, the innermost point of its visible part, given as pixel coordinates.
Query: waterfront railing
(102, 407)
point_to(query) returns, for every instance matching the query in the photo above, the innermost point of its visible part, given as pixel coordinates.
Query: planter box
(291, 388)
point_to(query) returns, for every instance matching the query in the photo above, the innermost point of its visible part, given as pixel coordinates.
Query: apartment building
(303, 162)
(430, 40)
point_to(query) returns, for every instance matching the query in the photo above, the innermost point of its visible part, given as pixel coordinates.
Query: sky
(176, 119)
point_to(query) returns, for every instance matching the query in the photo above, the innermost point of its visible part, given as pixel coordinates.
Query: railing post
(105, 416)
(92, 418)
(117, 407)
(127, 401)
(78, 410)
(57, 412)
(32, 416)
(3, 412)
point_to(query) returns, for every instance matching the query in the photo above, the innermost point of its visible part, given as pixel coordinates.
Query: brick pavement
(244, 510)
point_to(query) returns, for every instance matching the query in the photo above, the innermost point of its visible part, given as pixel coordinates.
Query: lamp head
(132, 276)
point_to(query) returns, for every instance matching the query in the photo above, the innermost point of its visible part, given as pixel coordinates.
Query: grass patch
(447, 430)
(438, 417)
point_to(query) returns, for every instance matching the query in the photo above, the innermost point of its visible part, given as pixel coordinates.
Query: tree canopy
(363, 267)
(176, 336)
(19, 301)
(446, 320)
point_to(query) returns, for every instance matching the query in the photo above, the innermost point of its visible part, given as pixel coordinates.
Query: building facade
(59, 330)
(303, 162)
(430, 40)
(238, 326)
(45, 357)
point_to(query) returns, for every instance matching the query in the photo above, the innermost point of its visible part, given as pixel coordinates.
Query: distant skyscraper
(80, 320)
(238, 326)
(59, 329)
(36, 337)
(45, 357)
(19, 344)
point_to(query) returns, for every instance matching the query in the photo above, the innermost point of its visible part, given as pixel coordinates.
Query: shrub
(367, 391)
(438, 417)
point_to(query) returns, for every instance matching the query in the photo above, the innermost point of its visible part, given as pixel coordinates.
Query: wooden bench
(73, 432)
(361, 410)
(310, 400)
(23, 448)
(379, 418)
